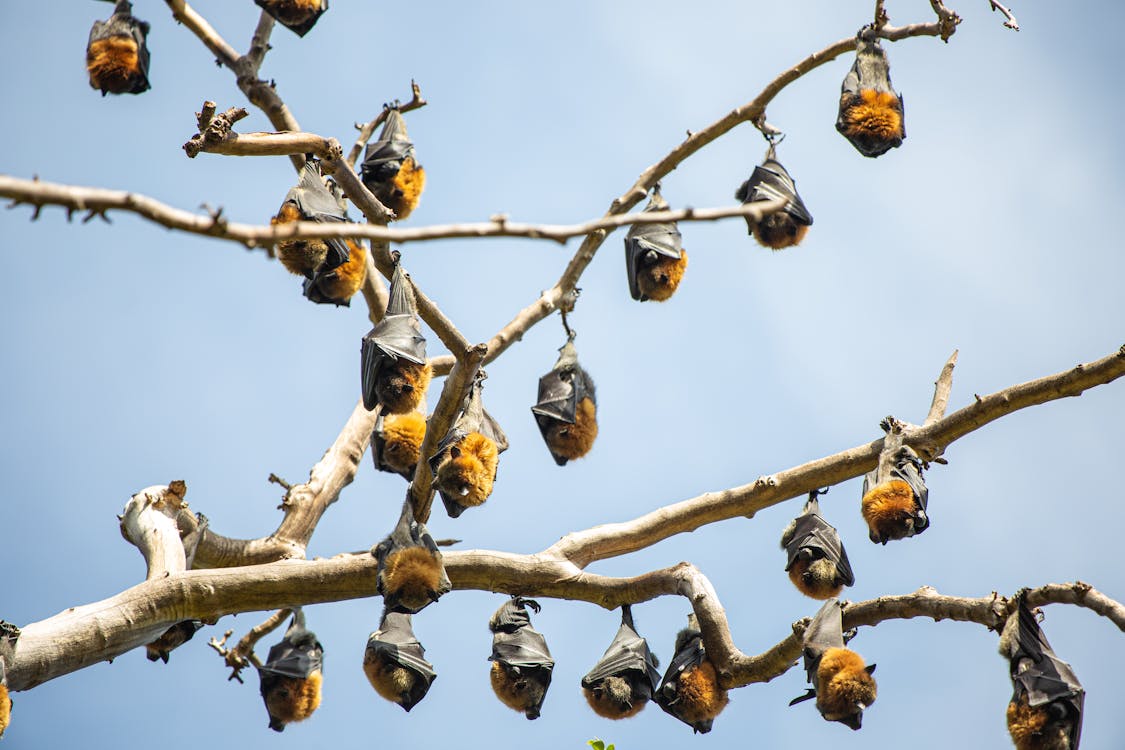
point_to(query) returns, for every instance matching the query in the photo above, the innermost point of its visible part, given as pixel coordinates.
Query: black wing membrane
(298, 654)
(316, 203)
(645, 243)
(560, 392)
(396, 643)
(812, 532)
(397, 335)
(628, 652)
(298, 17)
(383, 158)
(770, 181)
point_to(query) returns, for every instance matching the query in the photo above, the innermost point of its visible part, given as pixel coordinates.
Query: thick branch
(149, 523)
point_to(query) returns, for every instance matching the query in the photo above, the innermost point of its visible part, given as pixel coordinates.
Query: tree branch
(942, 388)
(1010, 20)
(368, 130)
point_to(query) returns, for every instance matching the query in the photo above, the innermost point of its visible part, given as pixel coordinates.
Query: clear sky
(134, 356)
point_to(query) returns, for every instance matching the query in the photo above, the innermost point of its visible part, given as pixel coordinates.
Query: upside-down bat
(567, 409)
(465, 463)
(871, 115)
(410, 574)
(297, 15)
(390, 169)
(817, 562)
(841, 683)
(690, 690)
(1045, 712)
(310, 200)
(767, 182)
(292, 675)
(895, 495)
(655, 258)
(395, 663)
(171, 639)
(521, 661)
(394, 371)
(336, 285)
(116, 54)
(626, 677)
(396, 443)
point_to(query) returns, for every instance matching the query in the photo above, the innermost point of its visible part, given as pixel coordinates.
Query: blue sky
(134, 356)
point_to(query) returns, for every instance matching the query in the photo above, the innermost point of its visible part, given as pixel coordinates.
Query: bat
(465, 463)
(842, 683)
(410, 574)
(390, 169)
(817, 562)
(116, 53)
(395, 663)
(871, 113)
(690, 690)
(567, 409)
(337, 284)
(396, 443)
(895, 497)
(394, 371)
(292, 675)
(310, 200)
(296, 15)
(655, 258)
(770, 181)
(171, 639)
(5, 699)
(626, 677)
(521, 661)
(1045, 712)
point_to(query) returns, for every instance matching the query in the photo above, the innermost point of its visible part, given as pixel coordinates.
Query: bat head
(171, 639)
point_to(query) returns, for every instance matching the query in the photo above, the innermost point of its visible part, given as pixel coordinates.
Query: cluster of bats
(1045, 712)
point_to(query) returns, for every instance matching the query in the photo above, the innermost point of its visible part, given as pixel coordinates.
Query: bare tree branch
(942, 388)
(1010, 21)
(242, 655)
(149, 524)
(368, 130)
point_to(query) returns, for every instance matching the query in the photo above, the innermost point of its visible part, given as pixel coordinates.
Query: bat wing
(316, 203)
(288, 659)
(770, 181)
(301, 28)
(395, 640)
(383, 158)
(825, 631)
(690, 654)
(558, 398)
(814, 533)
(512, 615)
(628, 652)
(525, 648)
(1040, 675)
(645, 243)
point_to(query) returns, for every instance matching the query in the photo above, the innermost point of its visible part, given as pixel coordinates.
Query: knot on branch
(213, 129)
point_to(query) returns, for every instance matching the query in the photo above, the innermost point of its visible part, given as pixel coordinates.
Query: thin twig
(368, 130)
(942, 388)
(1011, 22)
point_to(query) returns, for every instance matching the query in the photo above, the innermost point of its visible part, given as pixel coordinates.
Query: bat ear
(454, 452)
(870, 669)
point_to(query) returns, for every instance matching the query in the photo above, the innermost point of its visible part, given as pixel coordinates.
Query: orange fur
(294, 699)
(300, 257)
(400, 388)
(390, 681)
(779, 231)
(660, 280)
(613, 699)
(5, 709)
(877, 114)
(402, 440)
(293, 12)
(474, 469)
(701, 698)
(406, 188)
(113, 64)
(573, 441)
(887, 507)
(342, 282)
(518, 692)
(1030, 728)
(412, 574)
(843, 684)
(816, 579)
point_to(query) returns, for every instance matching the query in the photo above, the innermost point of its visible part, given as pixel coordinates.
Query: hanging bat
(395, 663)
(410, 574)
(465, 463)
(818, 564)
(116, 54)
(310, 200)
(396, 443)
(771, 181)
(521, 661)
(390, 170)
(567, 410)
(338, 284)
(171, 639)
(626, 677)
(870, 111)
(690, 690)
(291, 676)
(296, 15)
(1045, 712)
(394, 371)
(895, 496)
(842, 683)
(655, 258)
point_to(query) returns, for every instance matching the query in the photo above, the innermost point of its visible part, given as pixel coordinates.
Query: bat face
(171, 639)
(291, 677)
(521, 662)
(117, 55)
(625, 678)
(566, 411)
(394, 370)
(296, 15)
(396, 444)
(394, 662)
(390, 170)
(690, 690)
(871, 113)
(771, 181)
(655, 259)
(336, 285)
(410, 574)
(817, 562)
(895, 508)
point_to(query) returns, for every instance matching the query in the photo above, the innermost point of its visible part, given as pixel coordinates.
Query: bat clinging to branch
(390, 169)
(842, 683)
(291, 676)
(817, 562)
(410, 572)
(116, 53)
(395, 663)
(567, 409)
(394, 370)
(467, 457)
(521, 662)
(690, 690)
(626, 677)
(871, 112)
(655, 259)
(770, 181)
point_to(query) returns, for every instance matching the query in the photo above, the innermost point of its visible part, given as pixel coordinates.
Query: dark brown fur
(613, 698)
(573, 441)
(889, 508)
(113, 64)
(294, 699)
(300, 257)
(519, 692)
(779, 231)
(817, 579)
(293, 12)
(1032, 728)
(401, 386)
(412, 576)
(660, 280)
(391, 681)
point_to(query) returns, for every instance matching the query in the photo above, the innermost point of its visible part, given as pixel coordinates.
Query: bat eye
(464, 490)
(455, 452)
